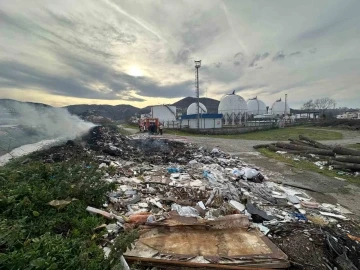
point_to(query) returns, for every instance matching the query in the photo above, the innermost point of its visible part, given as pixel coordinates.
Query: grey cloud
(238, 54)
(258, 67)
(265, 55)
(251, 86)
(279, 56)
(313, 50)
(258, 57)
(295, 53)
(218, 64)
(183, 56)
(236, 63)
(120, 82)
(254, 60)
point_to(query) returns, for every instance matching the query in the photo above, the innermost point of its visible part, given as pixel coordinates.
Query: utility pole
(285, 105)
(197, 66)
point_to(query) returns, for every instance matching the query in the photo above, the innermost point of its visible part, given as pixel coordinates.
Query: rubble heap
(199, 207)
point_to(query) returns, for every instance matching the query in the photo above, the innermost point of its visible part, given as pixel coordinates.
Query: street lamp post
(197, 66)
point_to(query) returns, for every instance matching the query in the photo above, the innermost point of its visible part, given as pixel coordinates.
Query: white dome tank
(232, 103)
(193, 106)
(256, 107)
(278, 108)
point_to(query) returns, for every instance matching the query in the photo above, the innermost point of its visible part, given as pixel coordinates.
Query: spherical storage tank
(233, 108)
(278, 108)
(256, 107)
(193, 106)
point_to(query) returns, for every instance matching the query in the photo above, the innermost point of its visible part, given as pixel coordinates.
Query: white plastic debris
(250, 173)
(215, 150)
(191, 162)
(239, 206)
(265, 230)
(333, 215)
(185, 211)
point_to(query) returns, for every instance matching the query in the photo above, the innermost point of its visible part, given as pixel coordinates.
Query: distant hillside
(123, 111)
(9, 102)
(117, 112)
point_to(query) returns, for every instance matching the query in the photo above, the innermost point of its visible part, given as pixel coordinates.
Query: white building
(165, 113)
(256, 107)
(206, 121)
(233, 108)
(349, 115)
(192, 109)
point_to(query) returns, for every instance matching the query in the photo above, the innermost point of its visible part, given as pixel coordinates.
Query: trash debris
(60, 204)
(100, 212)
(239, 206)
(196, 206)
(257, 215)
(185, 211)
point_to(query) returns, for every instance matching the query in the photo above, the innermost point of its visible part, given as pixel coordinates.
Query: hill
(117, 112)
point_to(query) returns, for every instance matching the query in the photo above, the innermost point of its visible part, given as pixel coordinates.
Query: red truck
(145, 123)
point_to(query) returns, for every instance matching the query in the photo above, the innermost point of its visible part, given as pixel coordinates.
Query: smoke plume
(29, 123)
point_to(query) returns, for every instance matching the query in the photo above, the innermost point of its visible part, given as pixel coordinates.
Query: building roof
(202, 116)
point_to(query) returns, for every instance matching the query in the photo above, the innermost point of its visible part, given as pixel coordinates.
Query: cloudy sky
(142, 52)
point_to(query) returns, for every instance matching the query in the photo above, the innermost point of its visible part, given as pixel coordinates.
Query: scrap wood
(100, 212)
(173, 264)
(292, 146)
(343, 165)
(258, 146)
(238, 248)
(305, 149)
(314, 143)
(348, 159)
(298, 142)
(346, 151)
(355, 238)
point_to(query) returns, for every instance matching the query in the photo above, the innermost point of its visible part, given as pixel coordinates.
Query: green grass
(35, 235)
(307, 166)
(272, 135)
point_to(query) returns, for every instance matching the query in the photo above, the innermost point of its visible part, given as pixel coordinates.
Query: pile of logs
(336, 156)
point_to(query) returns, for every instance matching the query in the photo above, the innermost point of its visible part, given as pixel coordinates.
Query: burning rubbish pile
(332, 157)
(200, 208)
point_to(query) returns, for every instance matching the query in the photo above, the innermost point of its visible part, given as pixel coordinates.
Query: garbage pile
(203, 208)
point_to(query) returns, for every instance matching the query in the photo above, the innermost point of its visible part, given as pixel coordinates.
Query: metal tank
(192, 109)
(278, 108)
(234, 109)
(256, 107)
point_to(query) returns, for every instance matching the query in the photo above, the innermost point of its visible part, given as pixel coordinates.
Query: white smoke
(50, 122)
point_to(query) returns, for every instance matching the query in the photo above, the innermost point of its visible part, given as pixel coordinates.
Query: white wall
(204, 123)
(163, 113)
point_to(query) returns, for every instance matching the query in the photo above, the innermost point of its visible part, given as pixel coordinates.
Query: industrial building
(205, 121)
(165, 113)
(233, 108)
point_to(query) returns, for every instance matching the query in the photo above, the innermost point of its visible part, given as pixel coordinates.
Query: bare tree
(324, 103)
(308, 105)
